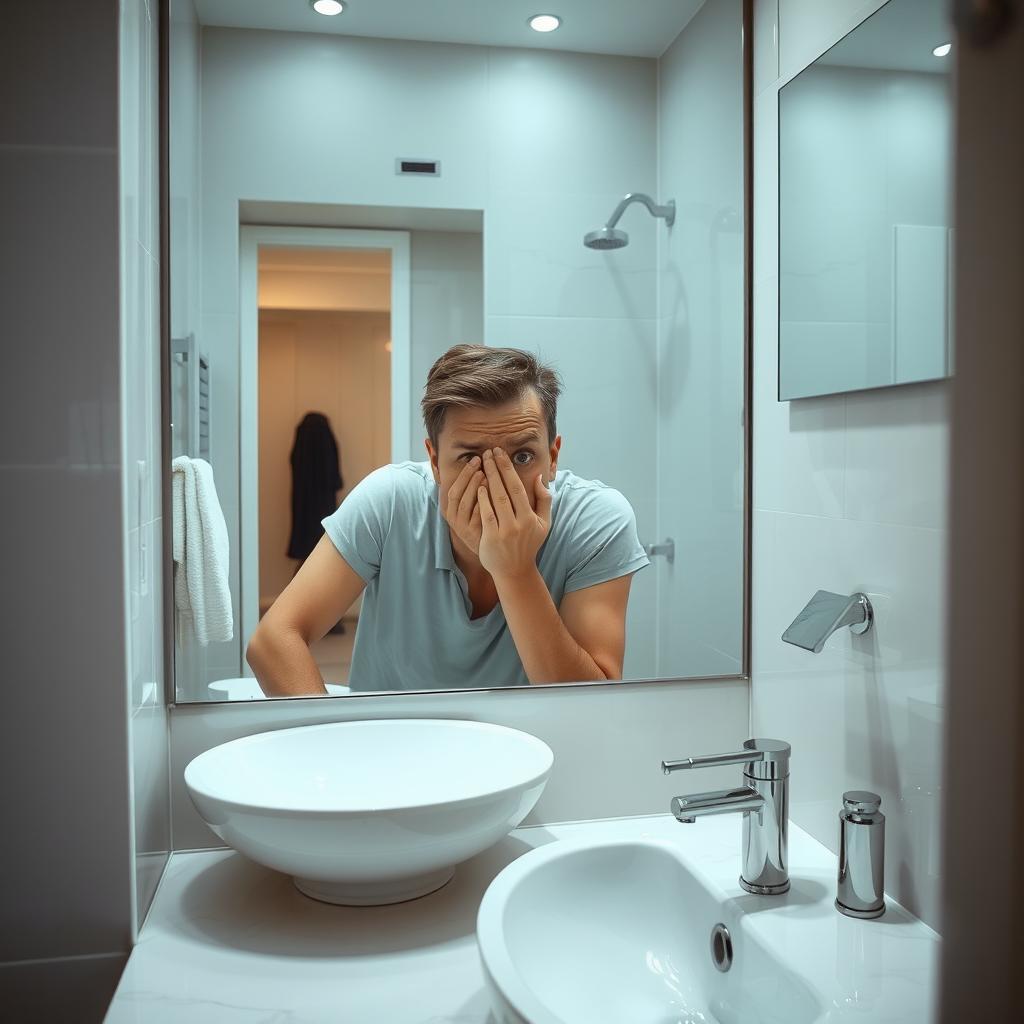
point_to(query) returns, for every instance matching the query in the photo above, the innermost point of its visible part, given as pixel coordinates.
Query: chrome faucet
(763, 801)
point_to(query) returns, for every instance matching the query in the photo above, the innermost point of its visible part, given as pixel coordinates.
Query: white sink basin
(364, 813)
(621, 931)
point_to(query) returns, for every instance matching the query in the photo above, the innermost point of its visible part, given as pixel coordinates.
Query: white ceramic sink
(373, 812)
(606, 933)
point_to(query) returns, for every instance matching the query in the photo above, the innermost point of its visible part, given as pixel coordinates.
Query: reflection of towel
(316, 480)
(199, 547)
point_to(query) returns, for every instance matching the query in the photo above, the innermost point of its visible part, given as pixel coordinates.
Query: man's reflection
(482, 566)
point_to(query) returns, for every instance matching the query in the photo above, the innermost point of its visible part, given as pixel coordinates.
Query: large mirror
(458, 343)
(864, 208)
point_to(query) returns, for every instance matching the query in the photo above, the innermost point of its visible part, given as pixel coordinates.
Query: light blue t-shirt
(415, 630)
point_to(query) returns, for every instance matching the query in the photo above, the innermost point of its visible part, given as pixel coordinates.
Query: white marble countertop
(230, 942)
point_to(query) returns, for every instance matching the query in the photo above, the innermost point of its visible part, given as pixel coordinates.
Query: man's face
(517, 426)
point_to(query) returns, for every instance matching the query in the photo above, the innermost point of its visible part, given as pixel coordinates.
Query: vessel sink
(371, 812)
(605, 933)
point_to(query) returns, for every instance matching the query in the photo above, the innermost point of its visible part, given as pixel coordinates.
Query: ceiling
(588, 26)
(898, 37)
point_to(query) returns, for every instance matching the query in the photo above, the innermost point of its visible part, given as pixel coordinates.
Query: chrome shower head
(606, 238)
(609, 237)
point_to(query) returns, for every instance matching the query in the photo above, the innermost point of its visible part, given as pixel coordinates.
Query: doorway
(325, 341)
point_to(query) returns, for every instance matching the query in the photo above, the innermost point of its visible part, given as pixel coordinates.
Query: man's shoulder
(588, 505)
(410, 484)
(578, 492)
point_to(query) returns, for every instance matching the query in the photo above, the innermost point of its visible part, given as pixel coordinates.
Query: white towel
(199, 548)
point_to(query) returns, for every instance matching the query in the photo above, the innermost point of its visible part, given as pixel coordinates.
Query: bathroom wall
(143, 471)
(522, 135)
(849, 494)
(84, 749)
(701, 345)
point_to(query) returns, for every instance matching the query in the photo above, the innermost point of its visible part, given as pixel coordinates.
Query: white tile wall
(700, 429)
(66, 880)
(849, 494)
(141, 456)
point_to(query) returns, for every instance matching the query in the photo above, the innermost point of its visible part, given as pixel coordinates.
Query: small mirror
(864, 209)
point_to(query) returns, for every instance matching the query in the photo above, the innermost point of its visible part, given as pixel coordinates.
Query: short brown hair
(469, 376)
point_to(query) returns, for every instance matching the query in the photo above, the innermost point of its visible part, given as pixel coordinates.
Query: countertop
(229, 942)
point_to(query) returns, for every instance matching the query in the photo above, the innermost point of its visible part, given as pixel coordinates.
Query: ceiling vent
(420, 168)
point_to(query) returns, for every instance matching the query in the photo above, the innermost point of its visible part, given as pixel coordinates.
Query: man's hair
(473, 376)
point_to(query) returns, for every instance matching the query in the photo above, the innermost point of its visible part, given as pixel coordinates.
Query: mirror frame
(163, 103)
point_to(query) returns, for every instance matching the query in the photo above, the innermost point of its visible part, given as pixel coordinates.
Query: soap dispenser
(861, 890)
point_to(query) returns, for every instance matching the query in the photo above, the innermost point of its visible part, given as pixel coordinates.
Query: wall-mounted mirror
(864, 208)
(351, 197)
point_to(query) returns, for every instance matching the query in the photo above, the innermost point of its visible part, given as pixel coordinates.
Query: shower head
(606, 238)
(609, 237)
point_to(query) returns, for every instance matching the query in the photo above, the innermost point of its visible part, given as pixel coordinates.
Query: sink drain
(721, 948)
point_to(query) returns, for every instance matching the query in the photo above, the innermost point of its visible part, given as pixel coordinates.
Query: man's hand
(462, 512)
(511, 532)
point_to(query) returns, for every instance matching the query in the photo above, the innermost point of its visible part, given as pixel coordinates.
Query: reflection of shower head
(606, 238)
(610, 237)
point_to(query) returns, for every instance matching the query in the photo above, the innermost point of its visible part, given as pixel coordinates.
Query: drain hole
(721, 947)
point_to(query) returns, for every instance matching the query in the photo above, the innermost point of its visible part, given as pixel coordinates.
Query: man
(484, 566)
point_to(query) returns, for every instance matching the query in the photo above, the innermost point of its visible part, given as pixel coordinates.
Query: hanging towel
(316, 480)
(199, 548)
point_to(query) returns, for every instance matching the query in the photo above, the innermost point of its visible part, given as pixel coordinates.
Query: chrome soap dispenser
(861, 890)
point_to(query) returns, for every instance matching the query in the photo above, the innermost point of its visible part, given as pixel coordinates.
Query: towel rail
(196, 411)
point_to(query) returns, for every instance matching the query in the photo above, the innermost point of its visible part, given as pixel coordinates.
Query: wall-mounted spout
(824, 614)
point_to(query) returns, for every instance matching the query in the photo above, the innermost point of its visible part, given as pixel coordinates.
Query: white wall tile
(66, 863)
(60, 260)
(701, 347)
(69, 989)
(897, 455)
(800, 446)
(560, 121)
(537, 265)
(849, 494)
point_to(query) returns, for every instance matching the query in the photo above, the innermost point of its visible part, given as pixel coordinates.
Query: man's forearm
(548, 651)
(284, 666)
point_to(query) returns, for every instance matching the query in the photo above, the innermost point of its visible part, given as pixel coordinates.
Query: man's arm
(584, 640)
(316, 598)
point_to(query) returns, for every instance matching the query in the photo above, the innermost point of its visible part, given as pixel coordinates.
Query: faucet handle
(764, 758)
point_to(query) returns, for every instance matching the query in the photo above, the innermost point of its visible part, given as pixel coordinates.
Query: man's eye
(522, 458)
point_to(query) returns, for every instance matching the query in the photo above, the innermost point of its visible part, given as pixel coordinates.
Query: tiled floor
(333, 653)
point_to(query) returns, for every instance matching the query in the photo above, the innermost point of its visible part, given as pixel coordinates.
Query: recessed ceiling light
(328, 7)
(544, 22)
(941, 51)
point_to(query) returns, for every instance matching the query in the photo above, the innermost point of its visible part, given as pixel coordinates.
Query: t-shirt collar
(444, 557)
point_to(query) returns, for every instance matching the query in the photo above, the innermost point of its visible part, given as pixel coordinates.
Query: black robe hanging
(316, 480)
